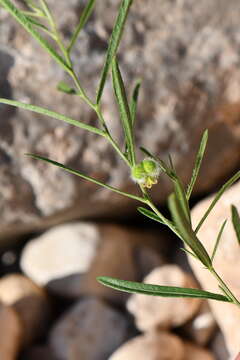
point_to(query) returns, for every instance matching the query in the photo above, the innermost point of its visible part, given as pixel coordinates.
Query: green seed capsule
(138, 173)
(151, 167)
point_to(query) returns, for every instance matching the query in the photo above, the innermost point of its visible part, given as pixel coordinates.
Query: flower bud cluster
(146, 172)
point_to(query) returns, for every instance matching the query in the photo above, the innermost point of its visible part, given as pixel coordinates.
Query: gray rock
(188, 55)
(91, 330)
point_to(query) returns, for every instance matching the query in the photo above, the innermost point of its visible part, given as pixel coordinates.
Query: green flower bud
(138, 173)
(151, 167)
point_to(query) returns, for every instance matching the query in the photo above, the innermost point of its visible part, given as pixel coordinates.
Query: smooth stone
(151, 346)
(90, 330)
(11, 333)
(152, 312)
(30, 303)
(226, 262)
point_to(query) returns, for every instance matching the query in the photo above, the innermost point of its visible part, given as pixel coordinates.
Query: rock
(62, 251)
(193, 352)
(91, 330)
(38, 353)
(30, 303)
(154, 312)
(218, 347)
(228, 253)
(202, 328)
(11, 333)
(68, 258)
(122, 245)
(191, 81)
(151, 346)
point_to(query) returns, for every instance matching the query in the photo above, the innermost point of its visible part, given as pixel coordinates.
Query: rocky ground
(58, 233)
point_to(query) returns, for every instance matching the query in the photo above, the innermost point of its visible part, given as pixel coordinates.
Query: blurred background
(58, 232)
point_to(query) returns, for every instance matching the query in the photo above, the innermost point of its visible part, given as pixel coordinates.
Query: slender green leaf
(236, 222)
(63, 87)
(113, 44)
(225, 292)
(125, 115)
(225, 187)
(85, 177)
(28, 26)
(134, 101)
(218, 239)
(158, 290)
(53, 114)
(150, 214)
(198, 163)
(189, 252)
(181, 195)
(83, 20)
(187, 234)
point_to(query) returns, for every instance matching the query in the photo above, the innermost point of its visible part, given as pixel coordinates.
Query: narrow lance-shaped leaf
(28, 26)
(123, 106)
(150, 214)
(85, 177)
(187, 234)
(113, 44)
(158, 290)
(225, 187)
(181, 196)
(134, 101)
(218, 240)
(53, 114)
(236, 222)
(83, 19)
(198, 163)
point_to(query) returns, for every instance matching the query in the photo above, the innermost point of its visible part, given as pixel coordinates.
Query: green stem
(150, 203)
(225, 287)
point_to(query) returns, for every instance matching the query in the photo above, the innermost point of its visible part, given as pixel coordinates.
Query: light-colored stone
(202, 328)
(62, 251)
(193, 352)
(11, 333)
(153, 312)
(68, 258)
(226, 262)
(151, 346)
(189, 60)
(91, 330)
(30, 303)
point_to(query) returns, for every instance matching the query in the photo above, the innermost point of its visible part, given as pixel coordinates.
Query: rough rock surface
(151, 346)
(188, 55)
(154, 312)
(11, 333)
(91, 330)
(68, 258)
(30, 303)
(226, 262)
